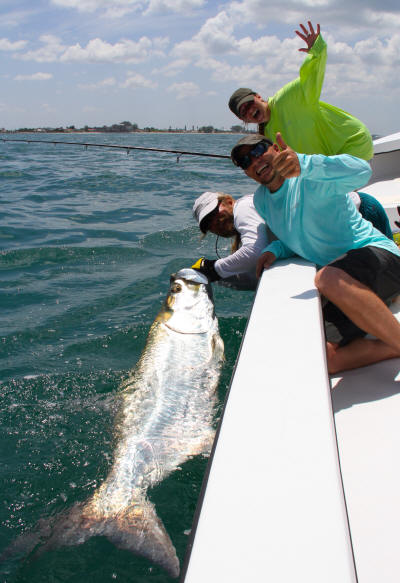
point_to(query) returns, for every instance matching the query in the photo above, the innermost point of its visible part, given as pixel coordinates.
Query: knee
(327, 278)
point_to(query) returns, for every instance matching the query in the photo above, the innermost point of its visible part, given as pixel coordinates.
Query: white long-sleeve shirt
(254, 239)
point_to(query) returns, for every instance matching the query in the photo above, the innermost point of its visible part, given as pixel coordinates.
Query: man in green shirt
(306, 124)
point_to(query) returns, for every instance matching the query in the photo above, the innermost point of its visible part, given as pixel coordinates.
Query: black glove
(206, 267)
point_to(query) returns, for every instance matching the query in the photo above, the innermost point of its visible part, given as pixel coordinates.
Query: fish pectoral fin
(139, 530)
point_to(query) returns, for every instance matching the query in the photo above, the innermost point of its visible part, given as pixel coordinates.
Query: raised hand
(309, 36)
(286, 162)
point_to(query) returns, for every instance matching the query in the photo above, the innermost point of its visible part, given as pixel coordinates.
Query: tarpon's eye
(176, 288)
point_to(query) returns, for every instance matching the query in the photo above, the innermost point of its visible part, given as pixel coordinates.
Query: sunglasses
(246, 160)
(244, 109)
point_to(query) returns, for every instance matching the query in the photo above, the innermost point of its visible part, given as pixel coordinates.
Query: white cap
(204, 205)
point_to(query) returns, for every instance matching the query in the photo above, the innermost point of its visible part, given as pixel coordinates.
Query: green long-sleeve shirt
(311, 126)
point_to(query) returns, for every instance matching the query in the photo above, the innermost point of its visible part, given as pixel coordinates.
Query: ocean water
(88, 239)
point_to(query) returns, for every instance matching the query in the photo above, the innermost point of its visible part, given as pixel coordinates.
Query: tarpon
(167, 415)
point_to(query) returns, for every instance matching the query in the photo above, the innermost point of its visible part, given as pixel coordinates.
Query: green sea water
(89, 238)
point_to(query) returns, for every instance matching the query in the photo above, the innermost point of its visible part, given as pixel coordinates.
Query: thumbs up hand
(280, 141)
(286, 162)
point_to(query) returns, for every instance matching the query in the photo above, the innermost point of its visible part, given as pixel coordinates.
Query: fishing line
(216, 247)
(127, 148)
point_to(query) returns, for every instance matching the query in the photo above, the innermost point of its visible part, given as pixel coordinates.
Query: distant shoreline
(82, 132)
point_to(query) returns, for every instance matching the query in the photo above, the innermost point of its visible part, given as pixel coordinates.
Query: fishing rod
(127, 148)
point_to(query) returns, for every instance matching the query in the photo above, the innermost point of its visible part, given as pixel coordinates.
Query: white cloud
(97, 51)
(181, 6)
(385, 20)
(15, 18)
(49, 53)
(119, 8)
(132, 80)
(6, 45)
(34, 77)
(136, 80)
(183, 90)
(173, 68)
(269, 62)
(215, 37)
(218, 36)
(369, 15)
(125, 51)
(355, 70)
(93, 5)
(378, 52)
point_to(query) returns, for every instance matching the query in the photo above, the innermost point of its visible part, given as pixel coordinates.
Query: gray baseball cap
(242, 95)
(248, 140)
(203, 206)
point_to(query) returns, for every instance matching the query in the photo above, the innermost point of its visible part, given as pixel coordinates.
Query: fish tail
(137, 528)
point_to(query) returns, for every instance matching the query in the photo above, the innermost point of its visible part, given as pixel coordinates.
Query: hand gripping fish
(167, 415)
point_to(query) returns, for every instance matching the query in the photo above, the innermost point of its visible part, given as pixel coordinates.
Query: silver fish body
(167, 415)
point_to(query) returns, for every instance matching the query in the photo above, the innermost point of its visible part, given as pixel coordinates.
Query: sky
(175, 63)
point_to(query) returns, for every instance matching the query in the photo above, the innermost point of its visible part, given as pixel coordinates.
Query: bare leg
(363, 307)
(360, 352)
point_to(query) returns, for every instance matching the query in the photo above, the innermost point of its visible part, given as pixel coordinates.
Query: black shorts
(376, 268)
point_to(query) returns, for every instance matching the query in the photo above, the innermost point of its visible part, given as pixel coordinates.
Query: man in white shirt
(224, 216)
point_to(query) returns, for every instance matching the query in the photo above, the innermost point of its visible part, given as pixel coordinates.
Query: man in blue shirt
(304, 200)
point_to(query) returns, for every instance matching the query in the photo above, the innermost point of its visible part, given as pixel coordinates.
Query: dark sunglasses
(246, 160)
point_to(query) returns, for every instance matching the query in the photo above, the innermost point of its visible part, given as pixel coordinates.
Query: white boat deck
(273, 509)
(367, 416)
(273, 506)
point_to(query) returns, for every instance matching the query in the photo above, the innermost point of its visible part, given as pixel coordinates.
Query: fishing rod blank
(127, 148)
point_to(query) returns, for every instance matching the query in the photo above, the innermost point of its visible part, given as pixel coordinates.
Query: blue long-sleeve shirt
(312, 214)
